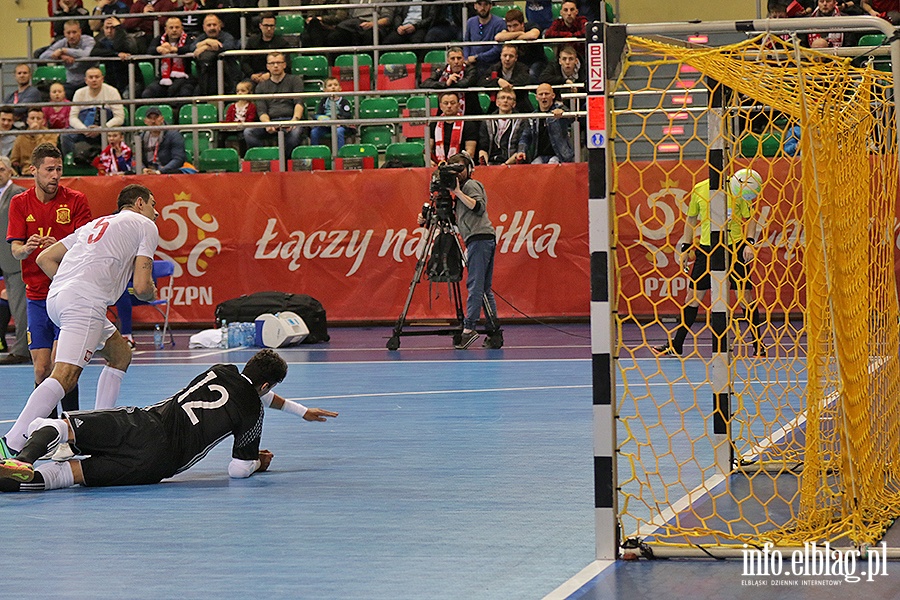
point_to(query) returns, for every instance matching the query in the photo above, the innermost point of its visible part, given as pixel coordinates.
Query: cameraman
(481, 242)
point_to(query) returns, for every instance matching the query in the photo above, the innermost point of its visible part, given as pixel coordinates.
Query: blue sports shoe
(6, 451)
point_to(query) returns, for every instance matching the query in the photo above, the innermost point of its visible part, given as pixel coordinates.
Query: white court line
(429, 393)
(874, 363)
(579, 579)
(433, 392)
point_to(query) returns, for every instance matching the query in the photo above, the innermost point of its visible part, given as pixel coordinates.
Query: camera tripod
(437, 226)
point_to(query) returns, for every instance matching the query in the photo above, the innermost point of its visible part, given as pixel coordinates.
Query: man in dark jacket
(163, 148)
(112, 41)
(254, 65)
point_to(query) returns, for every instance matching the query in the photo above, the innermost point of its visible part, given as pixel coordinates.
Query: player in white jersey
(90, 269)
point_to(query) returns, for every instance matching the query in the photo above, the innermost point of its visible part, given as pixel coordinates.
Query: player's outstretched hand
(318, 414)
(265, 459)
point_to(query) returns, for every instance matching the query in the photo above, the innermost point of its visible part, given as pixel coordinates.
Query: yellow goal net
(813, 430)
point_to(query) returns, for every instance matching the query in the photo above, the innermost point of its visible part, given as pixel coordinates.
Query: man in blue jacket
(547, 141)
(163, 148)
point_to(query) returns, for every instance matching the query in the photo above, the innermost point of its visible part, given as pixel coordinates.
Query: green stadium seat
(433, 60)
(501, 10)
(204, 141)
(367, 152)
(147, 72)
(312, 153)
(343, 70)
(415, 107)
(380, 135)
(47, 74)
(310, 66)
(70, 169)
(485, 101)
(206, 113)
(164, 109)
(872, 39)
(219, 159)
(261, 158)
(262, 153)
(412, 153)
(289, 24)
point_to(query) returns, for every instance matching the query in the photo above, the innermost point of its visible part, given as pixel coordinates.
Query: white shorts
(83, 327)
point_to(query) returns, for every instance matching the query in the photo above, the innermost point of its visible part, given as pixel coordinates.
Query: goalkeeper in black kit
(133, 446)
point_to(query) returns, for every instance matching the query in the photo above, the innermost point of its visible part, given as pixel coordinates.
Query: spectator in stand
(57, 116)
(23, 94)
(145, 25)
(112, 41)
(498, 139)
(72, 46)
(508, 73)
(107, 111)
(332, 107)
(320, 24)
(456, 74)
(70, 8)
(242, 111)
(886, 9)
(530, 55)
(105, 8)
(254, 65)
(163, 148)
(358, 29)
(412, 24)
(116, 158)
(834, 39)
(483, 27)
(568, 70)
(7, 118)
(175, 79)
(539, 12)
(192, 20)
(569, 23)
(27, 142)
(206, 49)
(547, 141)
(280, 109)
(449, 137)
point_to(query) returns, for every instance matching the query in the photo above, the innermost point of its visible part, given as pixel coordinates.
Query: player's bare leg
(117, 353)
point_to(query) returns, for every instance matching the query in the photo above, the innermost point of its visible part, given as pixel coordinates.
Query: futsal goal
(729, 445)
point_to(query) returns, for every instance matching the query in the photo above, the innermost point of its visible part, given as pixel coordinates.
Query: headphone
(470, 163)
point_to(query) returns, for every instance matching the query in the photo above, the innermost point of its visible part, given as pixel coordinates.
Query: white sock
(40, 404)
(57, 424)
(57, 475)
(108, 387)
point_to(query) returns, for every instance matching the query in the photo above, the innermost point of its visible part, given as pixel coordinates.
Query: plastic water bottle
(158, 338)
(223, 341)
(233, 335)
(251, 334)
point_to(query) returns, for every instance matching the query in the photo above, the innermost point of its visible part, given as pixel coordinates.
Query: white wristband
(294, 408)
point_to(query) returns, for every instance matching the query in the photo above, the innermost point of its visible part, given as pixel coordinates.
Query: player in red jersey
(38, 218)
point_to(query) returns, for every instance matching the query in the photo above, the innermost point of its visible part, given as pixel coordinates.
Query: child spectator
(57, 116)
(27, 142)
(242, 111)
(115, 159)
(333, 106)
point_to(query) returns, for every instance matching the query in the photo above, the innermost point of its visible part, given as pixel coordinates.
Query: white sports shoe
(61, 453)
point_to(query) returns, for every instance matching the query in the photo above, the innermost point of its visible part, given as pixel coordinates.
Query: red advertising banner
(651, 203)
(350, 238)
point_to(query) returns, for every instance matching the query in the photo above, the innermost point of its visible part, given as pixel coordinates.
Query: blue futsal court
(448, 474)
